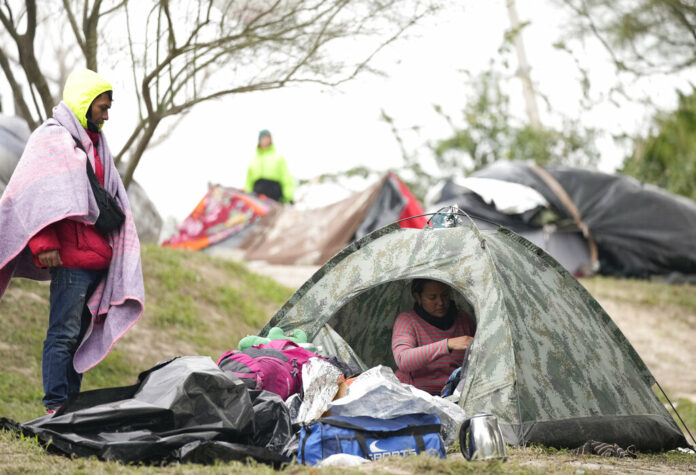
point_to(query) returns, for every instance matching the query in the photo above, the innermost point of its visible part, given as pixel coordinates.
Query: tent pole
(678, 415)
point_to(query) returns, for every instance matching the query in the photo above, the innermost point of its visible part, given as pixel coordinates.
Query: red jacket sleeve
(407, 355)
(44, 240)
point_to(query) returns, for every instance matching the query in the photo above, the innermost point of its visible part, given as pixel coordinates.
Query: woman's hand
(459, 343)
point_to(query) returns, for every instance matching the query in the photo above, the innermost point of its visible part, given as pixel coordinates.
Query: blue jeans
(68, 321)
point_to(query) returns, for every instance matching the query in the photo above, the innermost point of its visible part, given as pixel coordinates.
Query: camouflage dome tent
(547, 360)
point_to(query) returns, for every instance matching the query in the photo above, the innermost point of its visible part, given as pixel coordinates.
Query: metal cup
(480, 438)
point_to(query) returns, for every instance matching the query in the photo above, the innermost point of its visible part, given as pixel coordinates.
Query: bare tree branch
(73, 25)
(647, 37)
(170, 25)
(163, 136)
(89, 28)
(114, 9)
(14, 85)
(27, 59)
(137, 130)
(679, 14)
(134, 62)
(8, 22)
(148, 133)
(189, 52)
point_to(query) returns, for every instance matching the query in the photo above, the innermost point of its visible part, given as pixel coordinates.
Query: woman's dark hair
(417, 285)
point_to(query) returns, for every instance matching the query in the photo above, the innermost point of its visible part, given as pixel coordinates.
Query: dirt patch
(533, 460)
(289, 276)
(578, 464)
(211, 273)
(6, 347)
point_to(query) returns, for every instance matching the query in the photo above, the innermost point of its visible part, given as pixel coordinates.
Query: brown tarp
(288, 236)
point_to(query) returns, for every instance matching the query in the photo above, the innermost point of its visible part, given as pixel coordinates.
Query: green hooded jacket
(81, 88)
(270, 165)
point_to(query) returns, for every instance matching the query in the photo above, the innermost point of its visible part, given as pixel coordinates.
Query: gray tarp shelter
(290, 236)
(636, 229)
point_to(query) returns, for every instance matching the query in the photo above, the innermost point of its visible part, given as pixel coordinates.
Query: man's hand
(459, 343)
(50, 258)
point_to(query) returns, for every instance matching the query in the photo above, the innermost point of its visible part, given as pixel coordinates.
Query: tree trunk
(523, 68)
(31, 66)
(21, 107)
(137, 155)
(91, 38)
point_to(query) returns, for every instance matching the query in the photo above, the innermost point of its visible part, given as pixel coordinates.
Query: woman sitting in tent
(430, 341)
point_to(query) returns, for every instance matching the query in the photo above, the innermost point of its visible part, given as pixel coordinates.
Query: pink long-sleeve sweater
(420, 350)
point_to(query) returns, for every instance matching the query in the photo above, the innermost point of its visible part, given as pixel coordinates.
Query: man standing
(268, 172)
(47, 216)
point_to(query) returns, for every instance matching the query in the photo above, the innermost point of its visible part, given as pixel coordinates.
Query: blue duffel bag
(371, 438)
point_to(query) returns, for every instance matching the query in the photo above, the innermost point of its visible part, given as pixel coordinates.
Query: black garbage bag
(209, 451)
(272, 426)
(185, 409)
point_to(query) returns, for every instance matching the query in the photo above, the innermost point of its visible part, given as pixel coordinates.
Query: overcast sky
(320, 130)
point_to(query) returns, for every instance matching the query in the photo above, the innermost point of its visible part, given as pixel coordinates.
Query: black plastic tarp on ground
(183, 410)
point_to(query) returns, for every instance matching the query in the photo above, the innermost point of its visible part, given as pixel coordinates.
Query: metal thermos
(480, 438)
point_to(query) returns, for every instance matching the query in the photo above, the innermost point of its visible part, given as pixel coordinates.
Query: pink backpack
(275, 366)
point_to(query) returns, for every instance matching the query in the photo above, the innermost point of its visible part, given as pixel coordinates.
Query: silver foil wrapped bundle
(378, 393)
(320, 381)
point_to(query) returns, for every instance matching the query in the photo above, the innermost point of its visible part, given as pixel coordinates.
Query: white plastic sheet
(379, 393)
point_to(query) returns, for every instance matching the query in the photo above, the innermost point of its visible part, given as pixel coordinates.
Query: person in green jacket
(268, 172)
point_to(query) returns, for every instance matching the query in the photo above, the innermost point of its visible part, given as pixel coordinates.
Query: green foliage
(489, 132)
(666, 158)
(642, 36)
(486, 131)
(418, 181)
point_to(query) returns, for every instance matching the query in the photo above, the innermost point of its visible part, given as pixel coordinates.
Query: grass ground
(197, 304)
(19, 455)
(644, 293)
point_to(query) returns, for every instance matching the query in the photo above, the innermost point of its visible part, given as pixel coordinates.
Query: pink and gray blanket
(50, 184)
